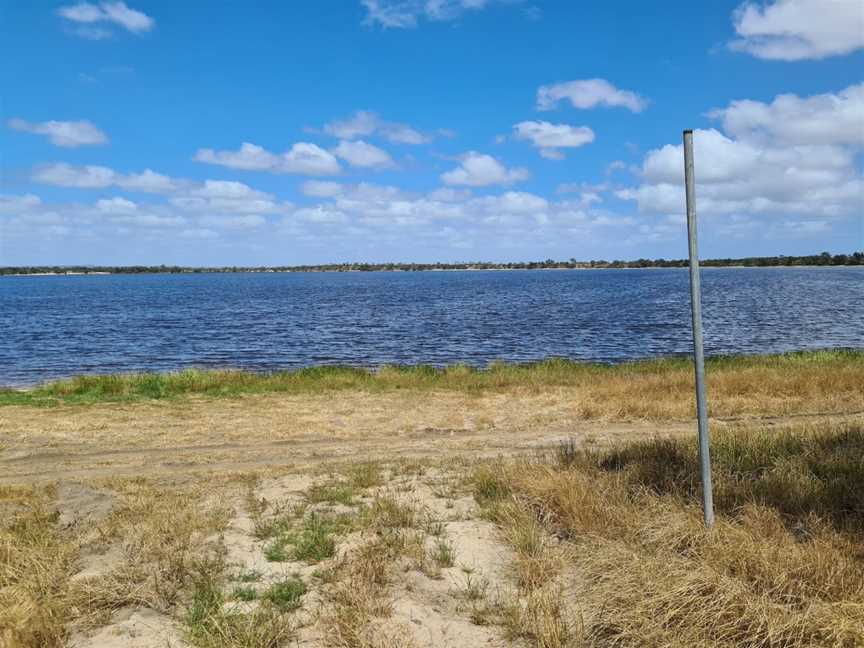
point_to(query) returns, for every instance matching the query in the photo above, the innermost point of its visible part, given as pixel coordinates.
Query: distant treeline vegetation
(823, 259)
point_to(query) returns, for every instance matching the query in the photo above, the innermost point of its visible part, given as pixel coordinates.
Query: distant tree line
(823, 259)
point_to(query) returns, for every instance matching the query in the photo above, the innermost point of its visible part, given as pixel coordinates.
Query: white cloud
(478, 170)
(116, 205)
(551, 137)
(150, 182)
(250, 157)
(227, 222)
(228, 197)
(364, 123)
(794, 157)
(789, 119)
(321, 188)
(303, 158)
(515, 202)
(364, 155)
(227, 189)
(309, 159)
(794, 30)
(210, 196)
(88, 15)
(16, 204)
(62, 133)
(97, 177)
(320, 214)
(449, 194)
(66, 175)
(588, 93)
(407, 13)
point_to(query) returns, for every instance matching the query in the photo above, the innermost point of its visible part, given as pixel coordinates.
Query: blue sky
(424, 130)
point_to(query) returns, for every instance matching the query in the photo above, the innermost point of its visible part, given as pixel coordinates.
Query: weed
(443, 554)
(249, 576)
(365, 475)
(334, 493)
(244, 594)
(314, 542)
(286, 594)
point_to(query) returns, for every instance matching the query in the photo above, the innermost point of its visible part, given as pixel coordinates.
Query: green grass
(333, 493)
(313, 542)
(210, 625)
(443, 554)
(231, 383)
(244, 594)
(249, 576)
(287, 594)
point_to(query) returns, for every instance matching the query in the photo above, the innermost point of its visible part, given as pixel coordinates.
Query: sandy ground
(284, 431)
(195, 435)
(428, 610)
(291, 442)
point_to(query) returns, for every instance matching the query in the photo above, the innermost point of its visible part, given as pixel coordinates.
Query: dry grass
(360, 597)
(36, 561)
(161, 536)
(784, 565)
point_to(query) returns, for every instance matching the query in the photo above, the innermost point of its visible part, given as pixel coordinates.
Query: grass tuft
(287, 594)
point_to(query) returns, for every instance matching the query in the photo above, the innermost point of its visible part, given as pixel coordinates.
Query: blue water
(53, 327)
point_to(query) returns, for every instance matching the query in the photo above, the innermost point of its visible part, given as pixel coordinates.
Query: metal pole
(698, 351)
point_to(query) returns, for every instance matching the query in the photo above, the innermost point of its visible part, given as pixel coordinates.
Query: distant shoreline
(810, 261)
(191, 272)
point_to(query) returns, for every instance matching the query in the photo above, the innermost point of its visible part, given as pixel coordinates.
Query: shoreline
(399, 270)
(548, 372)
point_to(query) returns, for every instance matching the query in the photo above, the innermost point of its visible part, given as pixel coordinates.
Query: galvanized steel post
(698, 351)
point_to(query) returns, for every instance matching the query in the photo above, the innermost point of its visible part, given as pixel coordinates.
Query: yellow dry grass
(783, 566)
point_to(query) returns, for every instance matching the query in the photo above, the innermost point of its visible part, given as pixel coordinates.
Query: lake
(58, 326)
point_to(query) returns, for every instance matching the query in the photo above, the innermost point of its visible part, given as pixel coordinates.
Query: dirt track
(198, 435)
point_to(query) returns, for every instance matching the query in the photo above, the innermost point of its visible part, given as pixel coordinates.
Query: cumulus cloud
(478, 170)
(116, 205)
(321, 188)
(790, 119)
(69, 134)
(302, 158)
(588, 93)
(98, 177)
(66, 175)
(365, 123)
(227, 197)
(13, 204)
(90, 18)
(212, 205)
(549, 138)
(249, 157)
(783, 158)
(793, 30)
(149, 182)
(364, 155)
(211, 196)
(407, 13)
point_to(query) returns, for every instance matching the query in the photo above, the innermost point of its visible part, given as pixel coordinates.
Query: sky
(285, 133)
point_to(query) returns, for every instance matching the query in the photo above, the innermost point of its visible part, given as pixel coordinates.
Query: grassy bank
(827, 380)
(784, 565)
